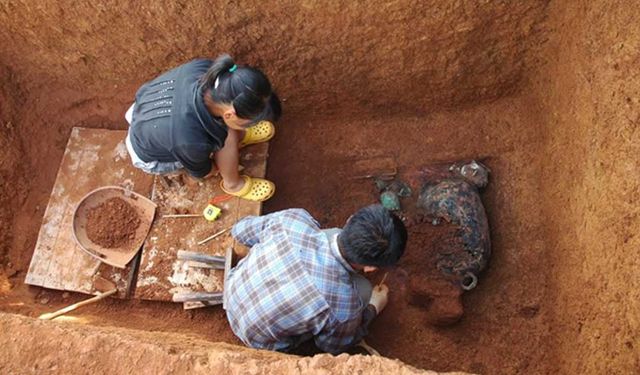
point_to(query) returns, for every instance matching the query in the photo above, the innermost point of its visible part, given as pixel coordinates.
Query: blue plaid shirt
(292, 285)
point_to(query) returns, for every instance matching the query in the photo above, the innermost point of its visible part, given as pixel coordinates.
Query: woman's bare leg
(227, 159)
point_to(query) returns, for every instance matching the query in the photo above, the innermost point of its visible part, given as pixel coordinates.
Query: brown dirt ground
(552, 106)
(492, 310)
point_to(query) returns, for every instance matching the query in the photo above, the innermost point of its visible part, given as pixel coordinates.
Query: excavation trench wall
(573, 66)
(66, 63)
(402, 55)
(125, 351)
(588, 87)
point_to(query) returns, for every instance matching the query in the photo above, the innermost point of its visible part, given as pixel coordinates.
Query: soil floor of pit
(505, 322)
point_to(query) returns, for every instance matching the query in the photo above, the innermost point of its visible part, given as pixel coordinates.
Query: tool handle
(368, 348)
(65, 310)
(383, 278)
(213, 236)
(181, 215)
(199, 257)
(215, 297)
(220, 198)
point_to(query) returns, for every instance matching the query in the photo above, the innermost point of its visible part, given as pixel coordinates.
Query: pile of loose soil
(113, 223)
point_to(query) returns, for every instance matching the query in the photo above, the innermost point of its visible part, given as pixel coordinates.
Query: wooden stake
(214, 236)
(65, 310)
(383, 278)
(181, 215)
(368, 348)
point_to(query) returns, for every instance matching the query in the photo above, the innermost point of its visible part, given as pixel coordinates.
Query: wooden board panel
(161, 275)
(93, 158)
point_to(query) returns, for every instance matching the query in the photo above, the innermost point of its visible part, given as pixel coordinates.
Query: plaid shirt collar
(332, 236)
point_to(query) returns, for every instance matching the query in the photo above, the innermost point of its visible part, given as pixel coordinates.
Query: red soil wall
(562, 293)
(588, 88)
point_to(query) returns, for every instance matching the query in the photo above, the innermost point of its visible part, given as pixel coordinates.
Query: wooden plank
(161, 274)
(190, 305)
(92, 158)
(377, 166)
(197, 296)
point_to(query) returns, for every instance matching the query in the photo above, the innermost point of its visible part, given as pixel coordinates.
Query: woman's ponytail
(222, 64)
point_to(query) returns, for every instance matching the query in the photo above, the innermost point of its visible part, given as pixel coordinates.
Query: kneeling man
(300, 282)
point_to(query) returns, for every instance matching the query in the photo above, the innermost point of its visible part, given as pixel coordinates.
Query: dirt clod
(113, 223)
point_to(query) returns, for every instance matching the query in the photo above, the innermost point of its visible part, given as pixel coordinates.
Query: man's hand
(379, 297)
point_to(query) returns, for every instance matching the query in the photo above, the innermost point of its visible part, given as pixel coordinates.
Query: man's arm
(249, 229)
(340, 336)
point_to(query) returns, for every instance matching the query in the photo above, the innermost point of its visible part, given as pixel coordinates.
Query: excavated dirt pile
(112, 223)
(545, 93)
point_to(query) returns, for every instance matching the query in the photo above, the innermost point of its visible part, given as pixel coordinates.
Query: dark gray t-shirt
(171, 123)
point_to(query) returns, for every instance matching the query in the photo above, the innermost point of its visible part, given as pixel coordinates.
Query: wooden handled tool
(383, 278)
(368, 348)
(49, 316)
(213, 236)
(100, 283)
(181, 215)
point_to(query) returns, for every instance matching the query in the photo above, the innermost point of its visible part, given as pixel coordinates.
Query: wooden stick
(199, 257)
(383, 176)
(383, 278)
(368, 348)
(214, 236)
(190, 305)
(197, 296)
(181, 215)
(209, 266)
(65, 310)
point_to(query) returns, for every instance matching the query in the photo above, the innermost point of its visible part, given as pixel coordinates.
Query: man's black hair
(373, 236)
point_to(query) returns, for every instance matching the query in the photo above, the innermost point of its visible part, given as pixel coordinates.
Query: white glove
(379, 297)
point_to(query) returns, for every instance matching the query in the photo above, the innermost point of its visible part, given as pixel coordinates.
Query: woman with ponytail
(199, 109)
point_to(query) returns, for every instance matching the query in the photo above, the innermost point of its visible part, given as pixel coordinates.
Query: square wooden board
(93, 158)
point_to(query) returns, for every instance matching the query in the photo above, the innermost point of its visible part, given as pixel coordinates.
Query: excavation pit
(545, 92)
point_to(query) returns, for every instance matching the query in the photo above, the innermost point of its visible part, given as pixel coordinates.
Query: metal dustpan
(119, 256)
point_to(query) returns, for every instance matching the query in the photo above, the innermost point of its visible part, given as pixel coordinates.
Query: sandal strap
(248, 183)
